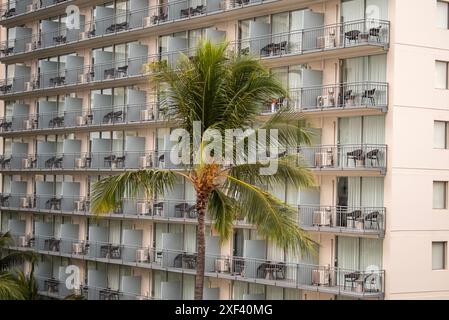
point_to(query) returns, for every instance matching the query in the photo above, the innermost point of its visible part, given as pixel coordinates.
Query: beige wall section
(413, 163)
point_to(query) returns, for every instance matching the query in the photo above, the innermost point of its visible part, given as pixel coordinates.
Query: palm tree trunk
(201, 204)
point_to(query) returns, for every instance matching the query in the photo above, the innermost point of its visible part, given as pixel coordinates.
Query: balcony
(56, 288)
(310, 277)
(336, 98)
(107, 22)
(320, 41)
(339, 159)
(339, 219)
(54, 78)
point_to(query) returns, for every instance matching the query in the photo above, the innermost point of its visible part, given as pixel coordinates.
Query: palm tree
(223, 91)
(15, 286)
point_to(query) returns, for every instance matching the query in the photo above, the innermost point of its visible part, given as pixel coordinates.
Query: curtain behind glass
(377, 68)
(376, 9)
(348, 253)
(114, 232)
(274, 293)
(190, 238)
(374, 130)
(239, 289)
(350, 130)
(370, 254)
(114, 276)
(292, 294)
(352, 10)
(354, 185)
(372, 192)
(188, 287)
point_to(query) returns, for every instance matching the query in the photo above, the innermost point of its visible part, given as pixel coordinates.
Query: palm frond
(109, 192)
(289, 169)
(6, 239)
(273, 218)
(16, 258)
(221, 210)
(10, 289)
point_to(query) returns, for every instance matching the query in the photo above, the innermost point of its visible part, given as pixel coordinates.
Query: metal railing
(53, 287)
(11, 9)
(329, 37)
(287, 274)
(106, 160)
(355, 95)
(341, 157)
(118, 22)
(343, 218)
(93, 117)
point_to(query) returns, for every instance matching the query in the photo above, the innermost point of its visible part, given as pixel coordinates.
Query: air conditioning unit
(147, 22)
(22, 241)
(323, 159)
(28, 86)
(79, 163)
(24, 201)
(27, 124)
(222, 265)
(25, 163)
(141, 207)
(320, 277)
(84, 78)
(321, 218)
(80, 121)
(77, 248)
(144, 115)
(141, 255)
(30, 46)
(79, 205)
(142, 162)
(84, 35)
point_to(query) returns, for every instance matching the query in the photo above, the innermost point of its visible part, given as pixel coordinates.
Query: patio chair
(370, 95)
(120, 161)
(373, 218)
(351, 278)
(355, 155)
(108, 160)
(352, 35)
(373, 155)
(375, 32)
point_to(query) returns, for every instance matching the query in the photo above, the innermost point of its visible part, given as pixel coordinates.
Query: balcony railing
(334, 280)
(343, 219)
(11, 9)
(56, 288)
(329, 37)
(107, 160)
(94, 117)
(345, 157)
(356, 95)
(297, 42)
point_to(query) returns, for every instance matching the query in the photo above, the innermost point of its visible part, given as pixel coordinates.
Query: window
(440, 135)
(441, 75)
(439, 255)
(443, 14)
(439, 194)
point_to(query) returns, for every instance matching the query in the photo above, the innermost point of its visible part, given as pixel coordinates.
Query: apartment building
(370, 75)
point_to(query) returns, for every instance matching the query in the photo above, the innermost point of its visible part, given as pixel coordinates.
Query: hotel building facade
(371, 76)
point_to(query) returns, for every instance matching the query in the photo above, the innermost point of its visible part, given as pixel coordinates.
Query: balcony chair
(158, 209)
(373, 218)
(5, 162)
(351, 278)
(52, 244)
(117, 27)
(120, 161)
(57, 81)
(375, 33)
(355, 155)
(238, 267)
(6, 88)
(370, 95)
(60, 39)
(354, 216)
(182, 209)
(188, 261)
(6, 125)
(109, 159)
(7, 51)
(352, 35)
(373, 155)
(49, 162)
(4, 200)
(242, 2)
(159, 18)
(117, 116)
(56, 122)
(122, 71)
(58, 162)
(53, 204)
(9, 13)
(109, 73)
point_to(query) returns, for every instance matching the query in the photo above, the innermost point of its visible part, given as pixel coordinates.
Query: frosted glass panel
(439, 194)
(438, 255)
(441, 75)
(442, 14)
(352, 10)
(439, 135)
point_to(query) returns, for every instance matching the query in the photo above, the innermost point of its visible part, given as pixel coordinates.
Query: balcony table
(59, 39)
(59, 80)
(51, 285)
(52, 244)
